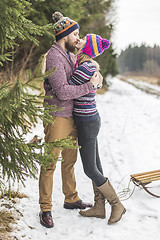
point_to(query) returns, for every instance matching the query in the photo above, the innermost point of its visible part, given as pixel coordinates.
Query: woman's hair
(84, 57)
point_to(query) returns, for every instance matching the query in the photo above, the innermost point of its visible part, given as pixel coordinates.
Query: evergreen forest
(142, 60)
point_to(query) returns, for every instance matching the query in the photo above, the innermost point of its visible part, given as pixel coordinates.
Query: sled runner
(142, 179)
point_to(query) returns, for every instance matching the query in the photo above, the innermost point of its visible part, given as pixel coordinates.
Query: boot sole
(124, 211)
(73, 207)
(93, 216)
(44, 225)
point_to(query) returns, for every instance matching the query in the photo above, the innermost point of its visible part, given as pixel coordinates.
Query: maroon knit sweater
(63, 93)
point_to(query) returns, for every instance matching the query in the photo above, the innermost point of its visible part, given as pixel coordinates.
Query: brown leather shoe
(46, 219)
(79, 204)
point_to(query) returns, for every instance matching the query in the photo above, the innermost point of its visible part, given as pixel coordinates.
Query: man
(60, 56)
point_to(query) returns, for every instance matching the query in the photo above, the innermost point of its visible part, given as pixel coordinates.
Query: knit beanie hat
(63, 26)
(95, 45)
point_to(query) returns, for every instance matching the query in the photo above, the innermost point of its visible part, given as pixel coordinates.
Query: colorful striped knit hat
(63, 26)
(95, 45)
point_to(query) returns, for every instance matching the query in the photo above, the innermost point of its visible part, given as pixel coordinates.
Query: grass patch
(9, 217)
(7, 220)
(12, 195)
(149, 79)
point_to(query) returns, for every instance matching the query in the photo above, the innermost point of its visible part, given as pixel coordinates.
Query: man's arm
(58, 82)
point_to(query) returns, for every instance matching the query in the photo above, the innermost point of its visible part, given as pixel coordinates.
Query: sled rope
(122, 195)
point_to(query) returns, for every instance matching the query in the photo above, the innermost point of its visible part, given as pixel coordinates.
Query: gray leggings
(87, 139)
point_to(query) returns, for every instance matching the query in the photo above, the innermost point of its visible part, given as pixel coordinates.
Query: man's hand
(97, 80)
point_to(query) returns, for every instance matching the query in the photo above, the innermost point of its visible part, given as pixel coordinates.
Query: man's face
(71, 40)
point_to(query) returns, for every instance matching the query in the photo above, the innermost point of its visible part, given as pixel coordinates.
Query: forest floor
(149, 79)
(149, 85)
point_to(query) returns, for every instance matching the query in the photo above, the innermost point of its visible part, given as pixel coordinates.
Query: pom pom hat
(94, 46)
(63, 26)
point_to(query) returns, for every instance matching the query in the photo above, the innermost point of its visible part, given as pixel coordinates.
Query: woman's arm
(84, 73)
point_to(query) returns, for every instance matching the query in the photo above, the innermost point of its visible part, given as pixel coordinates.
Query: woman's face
(81, 43)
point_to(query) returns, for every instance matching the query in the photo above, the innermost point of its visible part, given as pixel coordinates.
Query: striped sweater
(85, 106)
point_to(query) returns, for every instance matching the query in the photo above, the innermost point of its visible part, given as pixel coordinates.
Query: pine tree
(19, 109)
(14, 24)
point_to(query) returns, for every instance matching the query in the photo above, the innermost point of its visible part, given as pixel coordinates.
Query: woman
(87, 120)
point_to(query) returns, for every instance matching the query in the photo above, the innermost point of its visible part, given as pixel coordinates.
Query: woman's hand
(97, 80)
(100, 80)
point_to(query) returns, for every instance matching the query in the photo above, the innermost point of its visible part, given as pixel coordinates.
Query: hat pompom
(57, 16)
(105, 43)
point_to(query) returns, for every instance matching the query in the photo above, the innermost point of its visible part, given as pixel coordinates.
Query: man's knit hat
(95, 45)
(63, 26)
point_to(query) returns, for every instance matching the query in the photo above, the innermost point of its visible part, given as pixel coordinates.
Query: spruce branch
(20, 111)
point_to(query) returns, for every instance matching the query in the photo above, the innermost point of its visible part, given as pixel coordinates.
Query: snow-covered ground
(129, 142)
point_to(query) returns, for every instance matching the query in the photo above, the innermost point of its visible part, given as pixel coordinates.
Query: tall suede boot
(98, 210)
(117, 209)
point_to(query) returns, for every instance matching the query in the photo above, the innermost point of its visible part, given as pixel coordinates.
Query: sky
(137, 21)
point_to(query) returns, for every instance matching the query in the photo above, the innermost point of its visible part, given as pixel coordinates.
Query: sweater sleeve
(59, 83)
(83, 73)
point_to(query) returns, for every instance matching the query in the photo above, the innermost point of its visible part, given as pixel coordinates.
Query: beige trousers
(61, 128)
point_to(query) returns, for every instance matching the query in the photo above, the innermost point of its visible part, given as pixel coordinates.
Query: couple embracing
(73, 86)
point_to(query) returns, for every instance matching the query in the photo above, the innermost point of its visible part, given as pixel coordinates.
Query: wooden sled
(142, 179)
